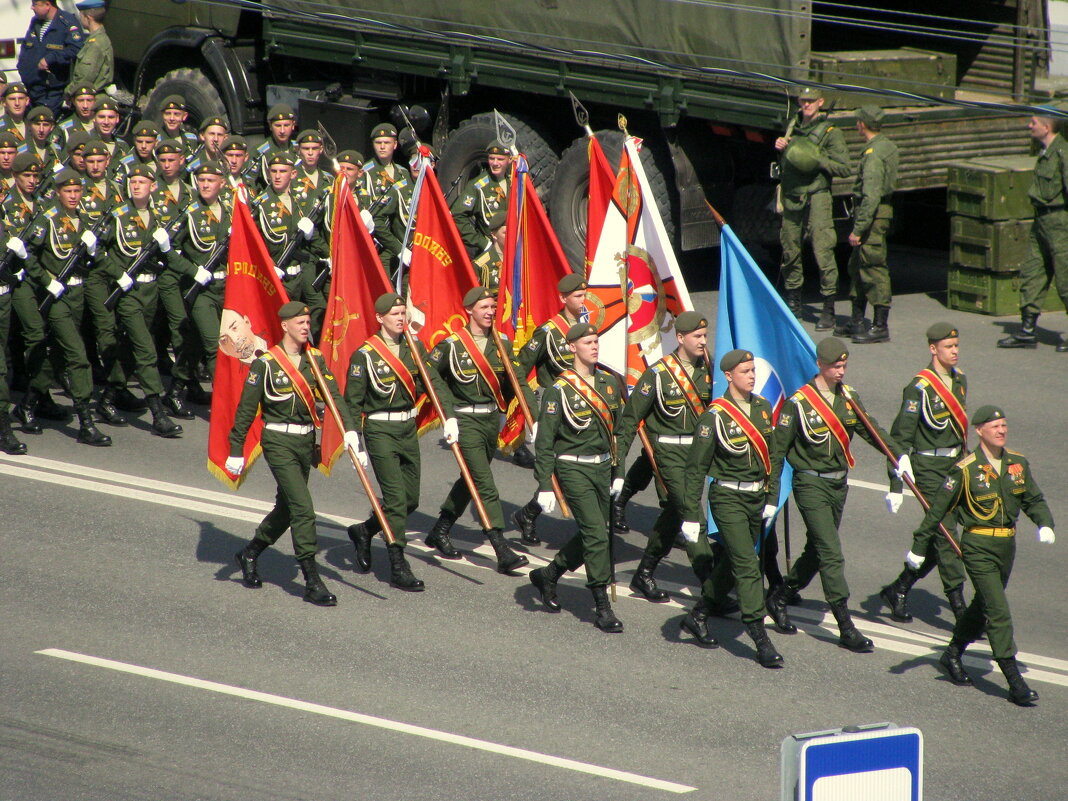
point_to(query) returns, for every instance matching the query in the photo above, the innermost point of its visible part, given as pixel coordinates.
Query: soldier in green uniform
(873, 191)
(16, 104)
(172, 124)
(381, 171)
(482, 199)
(813, 434)
(81, 97)
(391, 210)
(145, 139)
(932, 426)
(988, 489)
(285, 392)
(1047, 261)
(732, 445)
(580, 414)
(383, 387)
(350, 164)
(106, 121)
(9, 443)
(475, 391)
(213, 132)
(72, 157)
(310, 184)
(813, 152)
(281, 125)
(43, 141)
(240, 168)
(95, 64)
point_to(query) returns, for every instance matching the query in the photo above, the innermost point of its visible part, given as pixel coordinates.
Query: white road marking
(371, 720)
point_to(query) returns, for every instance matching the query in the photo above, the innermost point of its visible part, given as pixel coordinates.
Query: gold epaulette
(967, 460)
(1015, 453)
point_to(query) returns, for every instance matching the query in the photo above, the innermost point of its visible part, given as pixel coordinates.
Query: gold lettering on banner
(434, 248)
(253, 271)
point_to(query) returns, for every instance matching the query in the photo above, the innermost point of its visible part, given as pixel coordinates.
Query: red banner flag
(356, 281)
(602, 182)
(249, 325)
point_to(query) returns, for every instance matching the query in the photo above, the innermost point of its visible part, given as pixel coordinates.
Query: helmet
(803, 155)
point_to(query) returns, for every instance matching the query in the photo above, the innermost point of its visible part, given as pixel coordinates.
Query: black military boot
(643, 582)
(26, 412)
(105, 407)
(438, 537)
(880, 329)
(1019, 693)
(89, 434)
(315, 591)
(175, 401)
(850, 638)
(767, 656)
(793, 301)
(956, 602)
(606, 619)
(696, 623)
(856, 324)
(161, 423)
(48, 409)
(246, 560)
(9, 443)
(400, 574)
(508, 561)
(776, 603)
(826, 321)
(950, 661)
(1026, 337)
(619, 511)
(194, 393)
(523, 457)
(361, 535)
(525, 519)
(896, 594)
(128, 402)
(545, 578)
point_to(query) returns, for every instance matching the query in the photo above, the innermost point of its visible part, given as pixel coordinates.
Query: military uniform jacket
(122, 241)
(309, 185)
(196, 241)
(374, 386)
(131, 160)
(278, 225)
(924, 422)
(58, 47)
(477, 205)
(269, 389)
(462, 384)
(95, 64)
(54, 236)
(392, 215)
(834, 161)
(48, 154)
(19, 130)
(16, 211)
(661, 401)
(546, 351)
(266, 150)
(568, 424)
(1049, 185)
(99, 198)
(876, 181)
(187, 137)
(118, 149)
(377, 180)
(71, 124)
(169, 200)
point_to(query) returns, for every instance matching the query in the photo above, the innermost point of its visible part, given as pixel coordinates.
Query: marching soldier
(145, 140)
(732, 445)
(16, 104)
(238, 164)
(475, 391)
(172, 124)
(73, 157)
(106, 121)
(9, 149)
(933, 426)
(282, 384)
(282, 123)
(987, 490)
(9, 443)
(813, 434)
(482, 199)
(42, 141)
(48, 50)
(580, 414)
(380, 173)
(310, 180)
(81, 97)
(213, 132)
(392, 209)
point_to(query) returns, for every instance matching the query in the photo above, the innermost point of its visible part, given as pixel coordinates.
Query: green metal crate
(985, 292)
(908, 69)
(996, 245)
(994, 189)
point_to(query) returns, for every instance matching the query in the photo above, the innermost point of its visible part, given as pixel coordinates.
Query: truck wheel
(567, 206)
(201, 97)
(753, 217)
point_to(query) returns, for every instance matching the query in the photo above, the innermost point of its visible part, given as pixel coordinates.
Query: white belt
(219, 274)
(145, 278)
(742, 486)
(74, 280)
(675, 439)
(4, 289)
(478, 408)
(940, 452)
(595, 458)
(393, 417)
(293, 269)
(833, 474)
(288, 428)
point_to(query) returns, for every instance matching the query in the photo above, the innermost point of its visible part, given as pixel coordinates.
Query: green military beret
(210, 121)
(173, 102)
(76, 140)
(872, 116)
(497, 148)
(103, 102)
(280, 157)
(8, 141)
(309, 136)
(146, 128)
(79, 89)
(96, 148)
(690, 321)
(580, 330)
(940, 331)
(350, 157)
(385, 129)
(572, 282)
(388, 301)
(234, 143)
(40, 113)
(26, 162)
(985, 414)
(16, 88)
(141, 171)
(831, 350)
(170, 146)
(210, 167)
(733, 358)
(68, 177)
(281, 111)
(810, 93)
(294, 308)
(475, 294)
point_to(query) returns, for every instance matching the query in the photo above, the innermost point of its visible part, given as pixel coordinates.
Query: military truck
(708, 86)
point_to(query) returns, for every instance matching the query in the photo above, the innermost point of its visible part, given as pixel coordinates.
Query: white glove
(125, 282)
(368, 220)
(769, 511)
(162, 239)
(915, 561)
(1046, 535)
(16, 246)
(451, 429)
(534, 432)
(547, 501)
(89, 240)
(202, 276)
(406, 256)
(21, 275)
(55, 289)
(690, 531)
(904, 468)
(893, 501)
(306, 227)
(280, 273)
(352, 441)
(617, 487)
(235, 465)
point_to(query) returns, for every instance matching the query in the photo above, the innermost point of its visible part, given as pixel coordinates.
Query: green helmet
(803, 155)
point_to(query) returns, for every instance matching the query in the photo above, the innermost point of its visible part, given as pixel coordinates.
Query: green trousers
(393, 449)
(820, 502)
(988, 561)
(585, 489)
(639, 474)
(478, 443)
(135, 309)
(97, 288)
(176, 323)
(204, 316)
(1047, 261)
(5, 329)
(813, 222)
(38, 369)
(737, 515)
(869, 275)
(64, 321)
(937, 552)
(289, 456)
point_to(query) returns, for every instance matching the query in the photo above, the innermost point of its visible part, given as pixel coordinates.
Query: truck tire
(753, 217)
(567, 205)
(202, 99)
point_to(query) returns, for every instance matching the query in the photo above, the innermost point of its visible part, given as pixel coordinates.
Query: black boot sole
(690, 628)
(888, 599)
(328, 601)
(963, 680)
(659, 597)
(254, 583)
(861, 646)
(419, 587)
(1027, 699)
(511, 568)
(518, 519)
(551, 604)
(431, 542)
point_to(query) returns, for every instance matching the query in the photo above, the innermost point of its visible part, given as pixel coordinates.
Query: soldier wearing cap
(106, 119)
(48, 50)
(145, 139)
(987, 490)
(393, 209)
(813, 434)
(813, 153)
(95, 64)
(43, 141)
(16, 104)
(475, 392)
(732, 446)
(488, 263)
(240, 168)
(932, 426)
(172, 118)
(580, 415)
(213, 132)
(282, 386)
(81, 98)
(9, 149)
(869, 276)
(482, 199)
(381, 171)
(381, 391)
(310, 180)
(281, 124)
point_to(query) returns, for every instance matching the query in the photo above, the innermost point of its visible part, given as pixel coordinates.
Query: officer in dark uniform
(48, 52)
(482, 199)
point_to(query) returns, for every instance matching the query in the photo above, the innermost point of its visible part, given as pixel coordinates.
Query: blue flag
(752, 316)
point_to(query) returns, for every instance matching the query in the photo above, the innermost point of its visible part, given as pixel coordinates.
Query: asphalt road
(134, 665)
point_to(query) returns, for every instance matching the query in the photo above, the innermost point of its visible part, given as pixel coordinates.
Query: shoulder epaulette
(848, 388)
(758, 397)
(560, 383)
(797, 396)
(1015, 453)
(967, 460)
(315, 351)
(266, 356)
(658, 367)
(365, 348)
